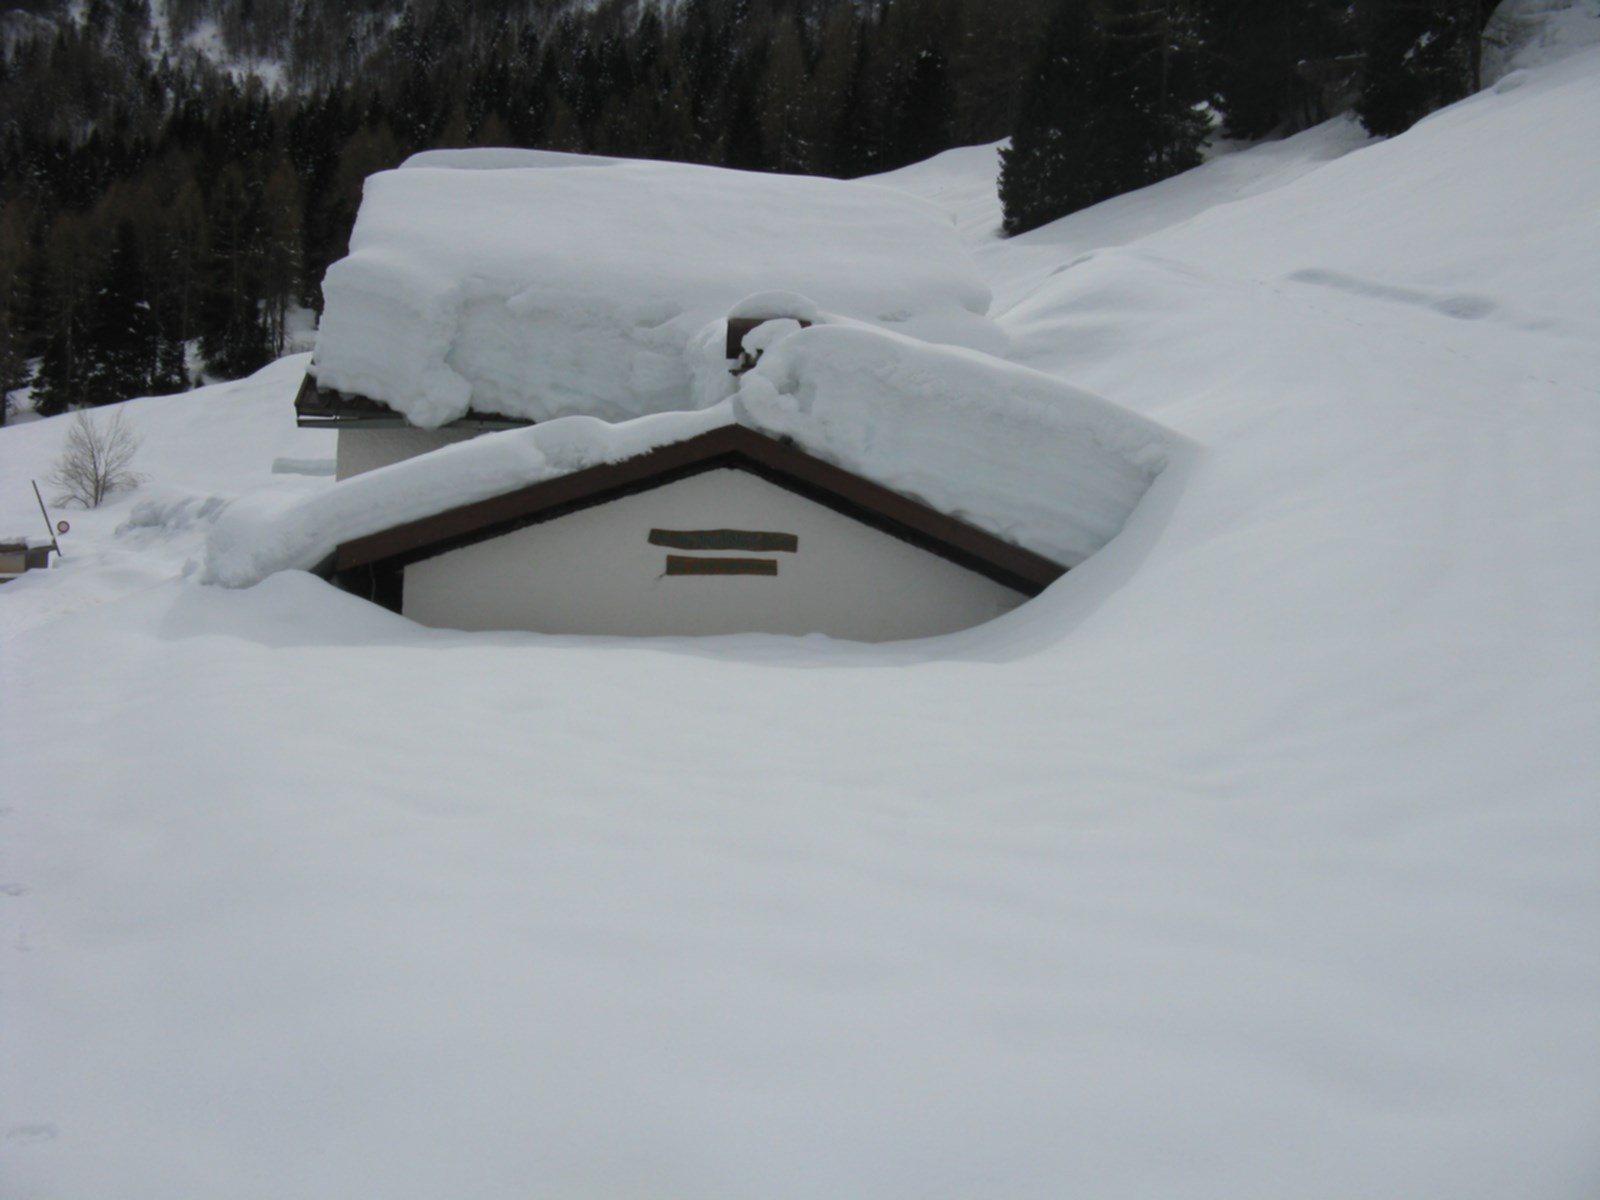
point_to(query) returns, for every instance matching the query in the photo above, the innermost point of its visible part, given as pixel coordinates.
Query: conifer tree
(781, 101)
(121, 336)
(1047, 170)
(13, 339)
(924, 114)
(68, 275)
(279, 251)
(1112, 105)
(857, 136)
(234, 333)
(1260, 50)
(1420, 56)
(1154, 80)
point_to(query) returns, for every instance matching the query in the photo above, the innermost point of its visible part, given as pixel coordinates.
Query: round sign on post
(62, 527)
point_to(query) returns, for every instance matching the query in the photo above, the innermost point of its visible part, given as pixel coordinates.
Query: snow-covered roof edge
(1010, 451)
(255, 538)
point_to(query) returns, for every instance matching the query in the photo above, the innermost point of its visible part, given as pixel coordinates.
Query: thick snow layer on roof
(548, 290)
(1005, 448)
(1019, 453)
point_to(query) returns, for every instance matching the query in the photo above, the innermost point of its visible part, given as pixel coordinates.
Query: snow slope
(1259, 857)
(198, 451)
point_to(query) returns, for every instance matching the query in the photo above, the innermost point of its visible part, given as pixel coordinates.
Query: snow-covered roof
(537, 285)
(1014, 452)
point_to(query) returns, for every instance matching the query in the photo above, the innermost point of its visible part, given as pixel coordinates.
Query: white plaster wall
(594, 571)
(368, 449)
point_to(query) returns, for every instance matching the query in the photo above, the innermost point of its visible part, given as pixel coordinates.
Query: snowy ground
(1260, 857)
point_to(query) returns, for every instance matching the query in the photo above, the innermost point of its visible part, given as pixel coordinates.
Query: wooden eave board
(731, 446)
(323, 408)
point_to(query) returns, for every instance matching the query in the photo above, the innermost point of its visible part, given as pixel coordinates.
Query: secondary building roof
(532, 286)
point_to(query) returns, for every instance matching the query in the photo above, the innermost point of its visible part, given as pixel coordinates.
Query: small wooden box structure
(16, 557)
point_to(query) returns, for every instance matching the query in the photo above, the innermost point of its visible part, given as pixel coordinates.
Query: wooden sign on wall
(754, 540)
(682, 564)
(759, 540)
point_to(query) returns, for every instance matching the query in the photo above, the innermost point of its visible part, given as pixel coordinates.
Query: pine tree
(988, 63)
(121, 335)
(782, 105)
(744, 147)
(14, 256)
(1154, 83)
(68, 269)
(1047, 170)
(279, 251)
(235, 331)
(924, 114)
(1420, 56)
(857, 133)
(1113, 105)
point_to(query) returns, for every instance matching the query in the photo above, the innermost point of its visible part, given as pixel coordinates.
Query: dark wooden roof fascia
(731, 446)
(322, 408)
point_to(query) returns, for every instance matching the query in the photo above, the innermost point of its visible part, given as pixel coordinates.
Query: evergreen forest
(175, 180)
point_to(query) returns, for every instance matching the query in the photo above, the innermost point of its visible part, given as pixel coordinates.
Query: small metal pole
(49, 527)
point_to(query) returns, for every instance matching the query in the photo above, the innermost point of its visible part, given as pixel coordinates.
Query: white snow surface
(1013, 451)
(1258, 857)
(557, 288)
(499, 158)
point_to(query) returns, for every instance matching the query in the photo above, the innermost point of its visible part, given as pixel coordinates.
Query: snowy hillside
(1259, 857)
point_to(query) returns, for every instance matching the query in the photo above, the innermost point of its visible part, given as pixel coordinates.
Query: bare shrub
(94, 461)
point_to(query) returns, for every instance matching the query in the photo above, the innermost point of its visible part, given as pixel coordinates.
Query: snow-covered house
(857, 483)
(725, 403)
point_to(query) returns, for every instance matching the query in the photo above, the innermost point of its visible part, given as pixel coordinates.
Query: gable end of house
(373, 566)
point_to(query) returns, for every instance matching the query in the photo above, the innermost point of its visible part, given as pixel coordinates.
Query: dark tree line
(159, 215)
(1125, 92)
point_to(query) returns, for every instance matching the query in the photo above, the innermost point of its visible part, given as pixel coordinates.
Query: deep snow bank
(1033, 460)
(549, 290)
